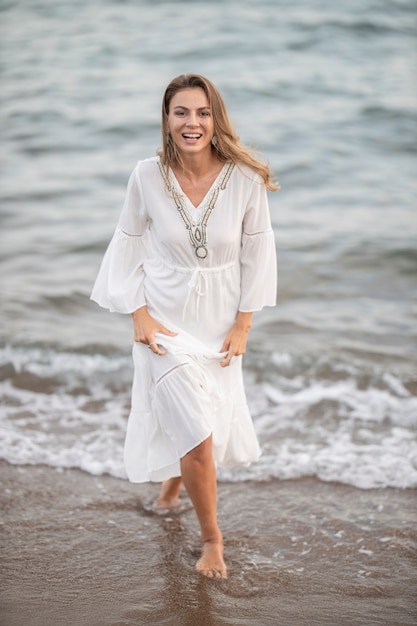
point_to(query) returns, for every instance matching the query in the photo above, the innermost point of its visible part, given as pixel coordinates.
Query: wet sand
(80, 550)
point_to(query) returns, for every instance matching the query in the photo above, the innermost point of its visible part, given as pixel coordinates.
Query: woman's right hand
(145, 327)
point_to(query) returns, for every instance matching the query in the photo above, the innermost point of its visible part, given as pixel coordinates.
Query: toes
(211, 572)
(211, 563)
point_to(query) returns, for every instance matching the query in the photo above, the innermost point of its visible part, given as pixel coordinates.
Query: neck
(197, 165)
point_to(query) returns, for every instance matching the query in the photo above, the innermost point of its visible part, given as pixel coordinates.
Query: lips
(191, 136)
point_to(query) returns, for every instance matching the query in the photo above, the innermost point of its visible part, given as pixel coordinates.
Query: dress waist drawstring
(198, 285)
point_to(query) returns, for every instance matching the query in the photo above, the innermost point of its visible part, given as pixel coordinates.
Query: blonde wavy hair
(227, 144)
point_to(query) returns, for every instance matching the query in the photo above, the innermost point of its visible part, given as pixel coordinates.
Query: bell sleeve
(119, 285)
(258, 254)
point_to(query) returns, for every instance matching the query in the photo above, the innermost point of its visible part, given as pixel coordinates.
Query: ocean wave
(326, 93)
(69, 409)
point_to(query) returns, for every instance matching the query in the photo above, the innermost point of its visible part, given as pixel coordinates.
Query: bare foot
(211, 563)
(168, 506)
(166, 503)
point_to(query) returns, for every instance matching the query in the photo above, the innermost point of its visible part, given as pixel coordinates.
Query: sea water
(326, 91)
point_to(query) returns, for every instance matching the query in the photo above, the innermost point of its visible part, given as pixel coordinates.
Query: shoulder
(146, 170)
(147, 166)
(247, 175)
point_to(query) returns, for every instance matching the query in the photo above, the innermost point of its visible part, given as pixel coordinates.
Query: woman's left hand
(235, 342)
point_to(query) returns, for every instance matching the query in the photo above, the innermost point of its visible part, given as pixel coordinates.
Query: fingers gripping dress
(194, 268)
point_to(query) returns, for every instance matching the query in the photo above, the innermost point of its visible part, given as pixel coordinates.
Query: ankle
(170, 489)
(213, 539)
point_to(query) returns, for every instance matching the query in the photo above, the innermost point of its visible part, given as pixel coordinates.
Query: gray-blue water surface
(325, 91)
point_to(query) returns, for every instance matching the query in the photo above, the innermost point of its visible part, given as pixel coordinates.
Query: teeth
(189, 136)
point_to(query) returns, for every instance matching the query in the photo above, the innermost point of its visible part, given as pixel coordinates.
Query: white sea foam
(334, 430)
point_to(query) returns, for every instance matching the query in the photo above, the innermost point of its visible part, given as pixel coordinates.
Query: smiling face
(190, 121)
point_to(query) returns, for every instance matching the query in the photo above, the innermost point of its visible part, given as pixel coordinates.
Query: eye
(205, 113)
(179, 113)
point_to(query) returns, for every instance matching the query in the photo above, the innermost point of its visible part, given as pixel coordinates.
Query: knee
(201, 453)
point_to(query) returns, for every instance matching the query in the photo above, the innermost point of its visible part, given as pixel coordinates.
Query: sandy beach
(82, 550)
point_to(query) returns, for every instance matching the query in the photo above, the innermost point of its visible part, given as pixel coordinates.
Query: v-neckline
(210, 189)
(196, 225)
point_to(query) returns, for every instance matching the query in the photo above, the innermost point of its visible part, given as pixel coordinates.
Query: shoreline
(85, 550)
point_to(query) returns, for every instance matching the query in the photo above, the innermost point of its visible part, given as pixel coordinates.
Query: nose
(192, 120)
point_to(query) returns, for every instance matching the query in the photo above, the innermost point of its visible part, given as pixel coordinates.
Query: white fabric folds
(119, 284)
(179, 399)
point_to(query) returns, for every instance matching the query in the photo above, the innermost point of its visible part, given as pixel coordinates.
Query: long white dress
(156, 258)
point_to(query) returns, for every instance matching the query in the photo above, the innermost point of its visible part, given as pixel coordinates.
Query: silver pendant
(201, 252)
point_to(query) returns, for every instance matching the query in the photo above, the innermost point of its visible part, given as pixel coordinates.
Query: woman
(192, 257)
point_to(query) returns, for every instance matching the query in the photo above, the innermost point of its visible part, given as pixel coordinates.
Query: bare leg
(168, 496)
(199, 476)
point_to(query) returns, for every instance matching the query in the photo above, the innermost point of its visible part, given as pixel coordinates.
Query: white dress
(182, 397)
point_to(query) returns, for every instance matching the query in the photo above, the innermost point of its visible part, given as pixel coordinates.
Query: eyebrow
(180, 106)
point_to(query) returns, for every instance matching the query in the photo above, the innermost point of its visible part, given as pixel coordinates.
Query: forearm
(244, 320)
(140, 314)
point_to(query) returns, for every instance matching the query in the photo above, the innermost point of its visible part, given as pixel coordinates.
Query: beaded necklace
(197, 232)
